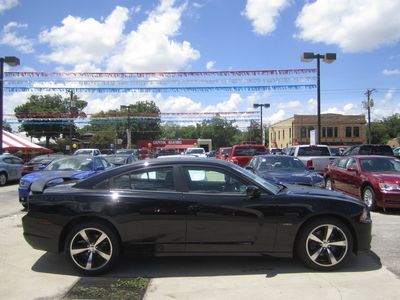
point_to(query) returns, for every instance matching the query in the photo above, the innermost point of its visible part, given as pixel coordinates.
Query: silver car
(10, 168)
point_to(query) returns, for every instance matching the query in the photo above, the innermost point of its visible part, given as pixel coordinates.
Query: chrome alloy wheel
(328, 184)
(327, 245)
(368, 197)
(91, 249)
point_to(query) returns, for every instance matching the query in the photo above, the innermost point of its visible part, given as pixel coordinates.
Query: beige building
(336, 129)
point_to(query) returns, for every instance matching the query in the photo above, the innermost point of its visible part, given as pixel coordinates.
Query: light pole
(11, 61)
(72, 105)
(266, 105)
(128, 131)
(328, 58)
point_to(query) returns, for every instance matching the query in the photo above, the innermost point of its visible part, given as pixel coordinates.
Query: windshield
(83, 152)
(249, 151)
(117, 160)
(196, 151)
(281, 163)
(71, 164)
(384, 164)
(269, 186)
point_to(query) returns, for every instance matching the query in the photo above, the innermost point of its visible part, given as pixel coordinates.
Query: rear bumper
(41, 234)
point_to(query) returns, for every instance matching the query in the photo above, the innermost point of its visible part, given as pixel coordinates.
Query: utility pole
(71, 105)
(367, 105)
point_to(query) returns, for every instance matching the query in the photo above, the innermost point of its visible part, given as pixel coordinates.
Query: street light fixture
(11, 61)
(266, 105)
(328, 58)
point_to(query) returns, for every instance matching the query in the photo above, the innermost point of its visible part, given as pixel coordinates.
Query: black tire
(324, 244)
(328, 184)
(3, 178)
(96, 248)
(368, 196)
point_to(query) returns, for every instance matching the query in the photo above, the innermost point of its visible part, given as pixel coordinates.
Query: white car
(87, 151)
(199, 152)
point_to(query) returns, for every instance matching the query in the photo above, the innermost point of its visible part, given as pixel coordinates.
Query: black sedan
(194, 206)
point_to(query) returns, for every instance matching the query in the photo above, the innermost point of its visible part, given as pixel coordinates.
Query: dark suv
(368, 150)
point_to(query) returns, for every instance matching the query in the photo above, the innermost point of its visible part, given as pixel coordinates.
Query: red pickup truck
(242, 154)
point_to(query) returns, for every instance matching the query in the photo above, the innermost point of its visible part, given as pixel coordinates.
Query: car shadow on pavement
(156, 267)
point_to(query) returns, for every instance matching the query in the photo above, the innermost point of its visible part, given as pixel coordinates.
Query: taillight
(309, 164)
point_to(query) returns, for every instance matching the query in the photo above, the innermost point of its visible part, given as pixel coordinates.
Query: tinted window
(342, 163)
(208, 180)
(380, 165)
(279, 163)
(149, 180)
(313, 151)
(376, 150)
(249, 151)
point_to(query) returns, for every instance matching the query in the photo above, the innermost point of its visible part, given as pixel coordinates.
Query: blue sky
(213, 35)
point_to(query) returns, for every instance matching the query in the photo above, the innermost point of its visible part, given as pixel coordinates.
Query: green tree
(220, 130)
(49, 115)
(253, 132)
(6, 126)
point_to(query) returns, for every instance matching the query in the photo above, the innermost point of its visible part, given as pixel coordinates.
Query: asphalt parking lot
(30, 274)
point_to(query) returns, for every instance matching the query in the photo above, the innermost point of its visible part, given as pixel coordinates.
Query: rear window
(376, 150)
(314, 151)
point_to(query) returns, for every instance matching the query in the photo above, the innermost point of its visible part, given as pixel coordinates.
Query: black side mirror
(252, 192)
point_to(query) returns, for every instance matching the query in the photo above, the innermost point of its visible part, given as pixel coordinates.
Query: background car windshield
(226, 151)
(269, 186)
(281, 163)
(380, 165)
(117, 160)
(376, 149)
(314, 151)
(81, 164)
(196, 151)
(248, 151)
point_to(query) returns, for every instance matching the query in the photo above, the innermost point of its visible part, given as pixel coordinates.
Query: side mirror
(351, 169)
(252, 192)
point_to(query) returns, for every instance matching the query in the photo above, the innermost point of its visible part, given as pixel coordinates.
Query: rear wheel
(92, 247)
(369, 198)
(328, 184)
(324, 244)
(3, 178)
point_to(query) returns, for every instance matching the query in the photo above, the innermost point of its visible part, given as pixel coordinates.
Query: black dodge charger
(193, 206)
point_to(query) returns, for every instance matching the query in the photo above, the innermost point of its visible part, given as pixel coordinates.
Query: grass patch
(108, 288)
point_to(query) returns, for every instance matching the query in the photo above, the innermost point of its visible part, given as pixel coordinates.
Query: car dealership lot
(30, 274)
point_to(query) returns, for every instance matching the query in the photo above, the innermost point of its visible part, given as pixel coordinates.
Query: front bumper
(389, 199)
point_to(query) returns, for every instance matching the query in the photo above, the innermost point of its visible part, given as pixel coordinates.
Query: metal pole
(369, 116)
(262, 128)
(70, 119)
(318, 100)
(1, 103)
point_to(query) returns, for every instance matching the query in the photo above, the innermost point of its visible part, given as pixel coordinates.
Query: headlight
(389, 186)
(365, 216)
(24, 184)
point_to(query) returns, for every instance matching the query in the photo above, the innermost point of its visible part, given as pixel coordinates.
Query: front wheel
(328, 184)
(3, 178)
(369, 198)
(324, 244)
(93, 248)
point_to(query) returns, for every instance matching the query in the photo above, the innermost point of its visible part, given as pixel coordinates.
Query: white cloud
(354, 26)
(391, 72)
(264, 14)
(289, 104)
(210, 65)
(9, 37)
(84, 41)
(276, 117)
(151, 47)
(7, 4)
(348, 107)
(234, 103)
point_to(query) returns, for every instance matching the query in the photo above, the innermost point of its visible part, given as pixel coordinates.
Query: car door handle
(194, 208)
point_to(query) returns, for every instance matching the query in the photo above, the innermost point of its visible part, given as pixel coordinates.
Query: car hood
(392, 177)
(318, 192)
(302, 177)
(48, 175)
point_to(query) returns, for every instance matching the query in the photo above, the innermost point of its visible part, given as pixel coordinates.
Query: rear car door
(337, 174)
(221, 217)
(154, 211)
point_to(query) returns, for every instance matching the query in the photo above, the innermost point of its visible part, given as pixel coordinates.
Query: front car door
(221, 218)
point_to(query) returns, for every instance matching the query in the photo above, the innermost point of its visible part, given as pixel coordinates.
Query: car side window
(352, 163)
(148, 180)
(355, 151)
(342, 163)
(105, 163)
(209, 180)
(8, 160)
